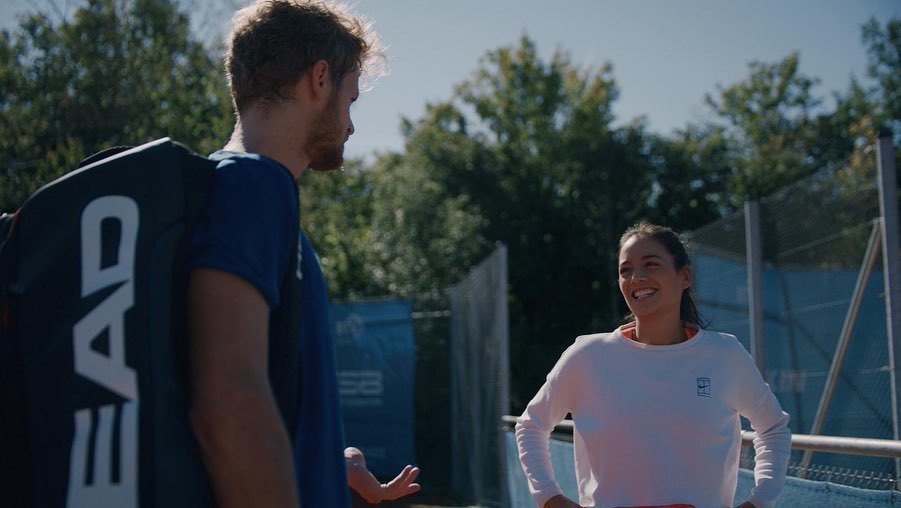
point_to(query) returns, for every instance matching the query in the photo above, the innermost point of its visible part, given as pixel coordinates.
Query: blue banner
(374, 347)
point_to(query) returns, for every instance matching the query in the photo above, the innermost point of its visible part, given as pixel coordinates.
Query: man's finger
(410, 474)
(402, 485)
(404, 477)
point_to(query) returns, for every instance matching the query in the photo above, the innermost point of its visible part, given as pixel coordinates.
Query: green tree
(884, 54)
(524, 153)
(771, 135)
(388, 230)
(692, 173)
(863, 112)
(520, 144)
(336, 213)
(115, 73)
(420, 232)
(768, 130)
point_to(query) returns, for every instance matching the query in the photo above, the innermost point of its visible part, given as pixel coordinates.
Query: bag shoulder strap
(284, 344)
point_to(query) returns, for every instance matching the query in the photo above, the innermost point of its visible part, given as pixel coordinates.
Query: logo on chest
(703, 387)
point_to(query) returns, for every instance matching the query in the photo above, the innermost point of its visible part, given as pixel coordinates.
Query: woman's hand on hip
(561, 501)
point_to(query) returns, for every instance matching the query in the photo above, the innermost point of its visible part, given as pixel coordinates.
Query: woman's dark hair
(675, 244)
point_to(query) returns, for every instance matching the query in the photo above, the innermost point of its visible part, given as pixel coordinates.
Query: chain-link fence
(479, 381)
(461, 388)
(814, 235)
(431, 393)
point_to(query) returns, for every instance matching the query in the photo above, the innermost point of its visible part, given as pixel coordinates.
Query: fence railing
(830, 444)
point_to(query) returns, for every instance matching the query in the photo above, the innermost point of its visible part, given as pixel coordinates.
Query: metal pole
(866, 447)
(754, 253)
(504, 366)
(457, 368)
(866, 268)
(888, 207)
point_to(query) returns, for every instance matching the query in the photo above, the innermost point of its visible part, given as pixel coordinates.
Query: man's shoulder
(230, 159)
(243, 173)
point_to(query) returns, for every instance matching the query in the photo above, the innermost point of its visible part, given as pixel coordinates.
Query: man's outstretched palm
(368, 487)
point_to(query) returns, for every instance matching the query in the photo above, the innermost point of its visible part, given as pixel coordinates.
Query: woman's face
(649, 280)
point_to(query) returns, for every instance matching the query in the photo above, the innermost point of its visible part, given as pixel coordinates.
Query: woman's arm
(772, 445)
(561, 501)
(533, 429)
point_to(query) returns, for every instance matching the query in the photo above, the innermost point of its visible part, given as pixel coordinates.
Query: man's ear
(320, 79)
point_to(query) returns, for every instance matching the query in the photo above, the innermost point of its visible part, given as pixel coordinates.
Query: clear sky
(666, 54)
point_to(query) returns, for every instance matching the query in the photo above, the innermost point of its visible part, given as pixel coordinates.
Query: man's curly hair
(274, 42)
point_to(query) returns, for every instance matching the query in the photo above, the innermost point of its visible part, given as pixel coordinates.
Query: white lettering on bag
(106, 486)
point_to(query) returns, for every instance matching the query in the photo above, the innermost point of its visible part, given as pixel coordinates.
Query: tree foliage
(884, 66)
(772, 130)
(769, 128)
(526, 151)
(115, 73)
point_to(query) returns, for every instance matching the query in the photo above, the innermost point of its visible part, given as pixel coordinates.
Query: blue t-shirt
(246, 229)
(319, 441)
(249, 222)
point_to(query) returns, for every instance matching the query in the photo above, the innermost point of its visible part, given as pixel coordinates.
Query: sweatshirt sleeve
(549, 406)
(772, 445)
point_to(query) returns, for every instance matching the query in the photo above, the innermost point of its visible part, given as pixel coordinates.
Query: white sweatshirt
(656, 425)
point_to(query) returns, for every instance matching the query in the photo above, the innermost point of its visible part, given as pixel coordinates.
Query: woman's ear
(687, 277)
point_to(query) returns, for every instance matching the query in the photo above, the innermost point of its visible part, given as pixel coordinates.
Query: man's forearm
(248, 456)
(242, 438)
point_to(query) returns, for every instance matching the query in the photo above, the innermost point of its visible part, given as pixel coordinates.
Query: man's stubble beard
(326, 144)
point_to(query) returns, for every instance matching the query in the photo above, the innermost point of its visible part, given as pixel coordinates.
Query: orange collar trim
(628, 330)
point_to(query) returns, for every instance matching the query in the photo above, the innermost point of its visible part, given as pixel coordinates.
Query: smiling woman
(655, 278)
(655, 403)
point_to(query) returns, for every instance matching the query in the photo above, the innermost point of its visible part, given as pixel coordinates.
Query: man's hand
(561, 501)
(368, 487)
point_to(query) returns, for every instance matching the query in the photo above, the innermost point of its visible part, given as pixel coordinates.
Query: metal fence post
(888, 208)
(503, 388)
(866, 268)
(754, 253)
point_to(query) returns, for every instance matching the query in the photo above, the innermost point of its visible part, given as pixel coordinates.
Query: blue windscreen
(375, 355)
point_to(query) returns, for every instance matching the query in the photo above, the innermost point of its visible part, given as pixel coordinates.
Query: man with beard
(293, 68)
